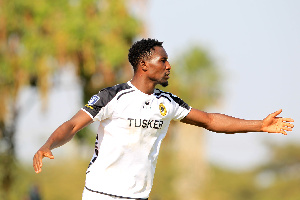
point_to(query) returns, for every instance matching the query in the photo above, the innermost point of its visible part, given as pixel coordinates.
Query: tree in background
(196, 78)
(38, 37)
(278, 178)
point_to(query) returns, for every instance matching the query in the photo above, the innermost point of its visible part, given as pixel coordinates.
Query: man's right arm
(60, 136)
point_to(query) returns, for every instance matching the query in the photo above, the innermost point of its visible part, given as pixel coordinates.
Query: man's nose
(168, 66)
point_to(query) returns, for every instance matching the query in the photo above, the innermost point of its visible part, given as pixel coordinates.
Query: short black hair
(142, 49)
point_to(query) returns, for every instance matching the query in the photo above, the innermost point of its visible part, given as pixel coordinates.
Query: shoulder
(107, 94)
(111, 92)
(171, 97)
(116, 88)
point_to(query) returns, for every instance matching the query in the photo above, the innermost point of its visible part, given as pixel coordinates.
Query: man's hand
(274, 124)
(38, 157)
(63, 134)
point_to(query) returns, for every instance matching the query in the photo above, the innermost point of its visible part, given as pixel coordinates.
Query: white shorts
(89, 195)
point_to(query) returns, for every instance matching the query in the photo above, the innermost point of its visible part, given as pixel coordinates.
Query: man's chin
(164, 84)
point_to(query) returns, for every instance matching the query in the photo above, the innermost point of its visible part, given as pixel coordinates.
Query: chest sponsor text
(145, 123)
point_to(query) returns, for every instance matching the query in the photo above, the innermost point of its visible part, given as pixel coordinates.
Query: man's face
(158, 66)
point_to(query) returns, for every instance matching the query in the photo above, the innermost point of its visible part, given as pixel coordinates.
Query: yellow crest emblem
(162, 109)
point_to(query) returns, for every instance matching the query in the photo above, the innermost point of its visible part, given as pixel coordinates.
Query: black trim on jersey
(112, 92)
(96, 152)
(175, 98)
(180, 102)
(164, 96)
(106, 95)
(112, 195)
(124, 93)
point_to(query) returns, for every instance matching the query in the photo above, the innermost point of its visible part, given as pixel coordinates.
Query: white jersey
(133, 125)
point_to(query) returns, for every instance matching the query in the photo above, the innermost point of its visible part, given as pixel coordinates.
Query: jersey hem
(113, 195)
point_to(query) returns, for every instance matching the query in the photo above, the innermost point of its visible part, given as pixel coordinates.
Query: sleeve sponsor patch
(93, 100)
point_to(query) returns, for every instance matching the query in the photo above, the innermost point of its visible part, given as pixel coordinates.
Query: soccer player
(134, 118)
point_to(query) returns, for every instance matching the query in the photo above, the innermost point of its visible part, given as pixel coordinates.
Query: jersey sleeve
(180, 108)
(98, 106)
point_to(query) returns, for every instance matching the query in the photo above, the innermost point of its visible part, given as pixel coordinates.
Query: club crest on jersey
(162, 109)
(93, 100)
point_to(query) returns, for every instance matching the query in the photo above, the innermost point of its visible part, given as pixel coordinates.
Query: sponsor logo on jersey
(145, 123)
(93, 100)
(162, 109)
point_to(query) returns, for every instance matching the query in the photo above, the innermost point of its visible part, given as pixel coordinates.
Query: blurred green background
(55, 55)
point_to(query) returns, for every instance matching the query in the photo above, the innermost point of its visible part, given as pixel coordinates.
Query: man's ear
(143, 65)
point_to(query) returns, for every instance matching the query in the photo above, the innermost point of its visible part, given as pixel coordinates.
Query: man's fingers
(38, 170)
(49, 155)
(38, 160)
(288, 125)
(284, 126)
(283, 132)
(35, 167)
(276, 113)
(287, 128)
(278, 124)
(287, 120)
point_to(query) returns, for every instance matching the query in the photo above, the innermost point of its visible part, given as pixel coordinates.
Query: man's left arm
(221, 123)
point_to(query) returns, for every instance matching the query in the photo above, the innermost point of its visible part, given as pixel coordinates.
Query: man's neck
(143, 85)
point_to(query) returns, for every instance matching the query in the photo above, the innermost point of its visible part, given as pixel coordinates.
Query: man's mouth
(167, 75)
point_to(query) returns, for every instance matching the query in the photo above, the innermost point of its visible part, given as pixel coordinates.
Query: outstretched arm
(221, 123)
(60, 136)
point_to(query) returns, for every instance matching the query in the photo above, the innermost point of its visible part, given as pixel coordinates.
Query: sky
(256, 45)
